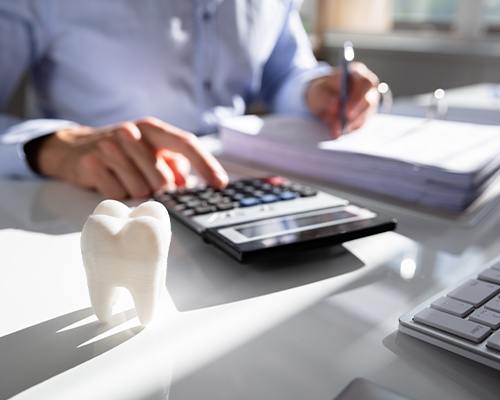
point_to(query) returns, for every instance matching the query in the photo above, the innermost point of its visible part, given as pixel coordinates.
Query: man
(100, 67)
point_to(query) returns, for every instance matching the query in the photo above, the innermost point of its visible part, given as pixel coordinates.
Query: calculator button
(225, 206)
(229, 192)
(475, 292)
(248, 189)
(491, 275)
(486, 317)
(449, 323)
(204, 210)
(185, 198)
(207, 195)
(164, 197)
(249, 201)
(308, 192)
(288, 195)
(214, 200)
(180, 207)
(269, 198)
(188, 213)
(194, 203)
(452, 306)
(276, 180)
(238, 196)
(170, 204)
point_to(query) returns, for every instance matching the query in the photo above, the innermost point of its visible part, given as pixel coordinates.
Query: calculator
(259, 217)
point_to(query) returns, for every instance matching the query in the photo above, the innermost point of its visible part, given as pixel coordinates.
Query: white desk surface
(300, 328)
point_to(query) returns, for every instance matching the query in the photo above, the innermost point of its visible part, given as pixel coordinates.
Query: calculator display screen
(276, 226)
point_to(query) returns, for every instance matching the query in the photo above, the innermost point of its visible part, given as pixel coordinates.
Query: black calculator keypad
(242, 193)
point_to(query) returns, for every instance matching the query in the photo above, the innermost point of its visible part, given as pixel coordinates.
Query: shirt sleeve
(12, 156)
(290, 68)
(22, 44)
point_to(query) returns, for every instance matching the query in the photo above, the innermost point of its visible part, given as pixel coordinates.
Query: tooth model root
(102, 298)
(126, 248)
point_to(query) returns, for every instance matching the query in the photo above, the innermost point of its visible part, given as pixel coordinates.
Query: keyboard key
(496, 265)
(249, 201)
(269, 198)
(491, 275)
(494, 341)
(452, 306)
(486, 317)
(474, 292)
(288, 195)
(454, 325)
(493, 304)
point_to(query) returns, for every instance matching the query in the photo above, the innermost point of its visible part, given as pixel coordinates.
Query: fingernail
(222, 178)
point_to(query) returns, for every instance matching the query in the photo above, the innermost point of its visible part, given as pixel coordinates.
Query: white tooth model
(123, 247)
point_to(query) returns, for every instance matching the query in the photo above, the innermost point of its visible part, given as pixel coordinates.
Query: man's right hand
(131, 159)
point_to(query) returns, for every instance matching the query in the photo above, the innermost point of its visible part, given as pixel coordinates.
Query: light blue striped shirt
(188, 62)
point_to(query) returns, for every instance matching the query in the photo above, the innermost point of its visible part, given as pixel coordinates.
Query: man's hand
(131, 159)
(323, 94)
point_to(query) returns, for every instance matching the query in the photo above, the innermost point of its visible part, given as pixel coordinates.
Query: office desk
(298, 328)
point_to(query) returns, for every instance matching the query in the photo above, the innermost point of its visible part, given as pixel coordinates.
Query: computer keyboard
(464, 319)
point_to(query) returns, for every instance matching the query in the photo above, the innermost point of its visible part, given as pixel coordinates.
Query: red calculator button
(277, 180)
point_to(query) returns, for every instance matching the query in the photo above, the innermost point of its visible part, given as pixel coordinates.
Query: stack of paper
(440, 164)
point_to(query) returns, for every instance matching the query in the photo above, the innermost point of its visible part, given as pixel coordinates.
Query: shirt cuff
(291, 97)
(12, 157)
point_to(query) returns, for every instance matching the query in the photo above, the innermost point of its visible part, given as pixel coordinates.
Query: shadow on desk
(202, 276)
(49, 348)
(480, 381)
(45, 206)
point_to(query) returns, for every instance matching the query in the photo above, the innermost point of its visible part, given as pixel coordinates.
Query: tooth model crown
(126, 248)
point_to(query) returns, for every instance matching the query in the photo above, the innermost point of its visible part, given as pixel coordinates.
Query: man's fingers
(362, 81)
(179, 165)
(365, 107)
(167, 172)
(162, 135)
(143, 156)
(95, 175)
(126, 172)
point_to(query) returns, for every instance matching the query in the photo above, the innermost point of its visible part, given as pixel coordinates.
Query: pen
(345, 57)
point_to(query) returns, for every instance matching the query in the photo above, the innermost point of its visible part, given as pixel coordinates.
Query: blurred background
(416, 46)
